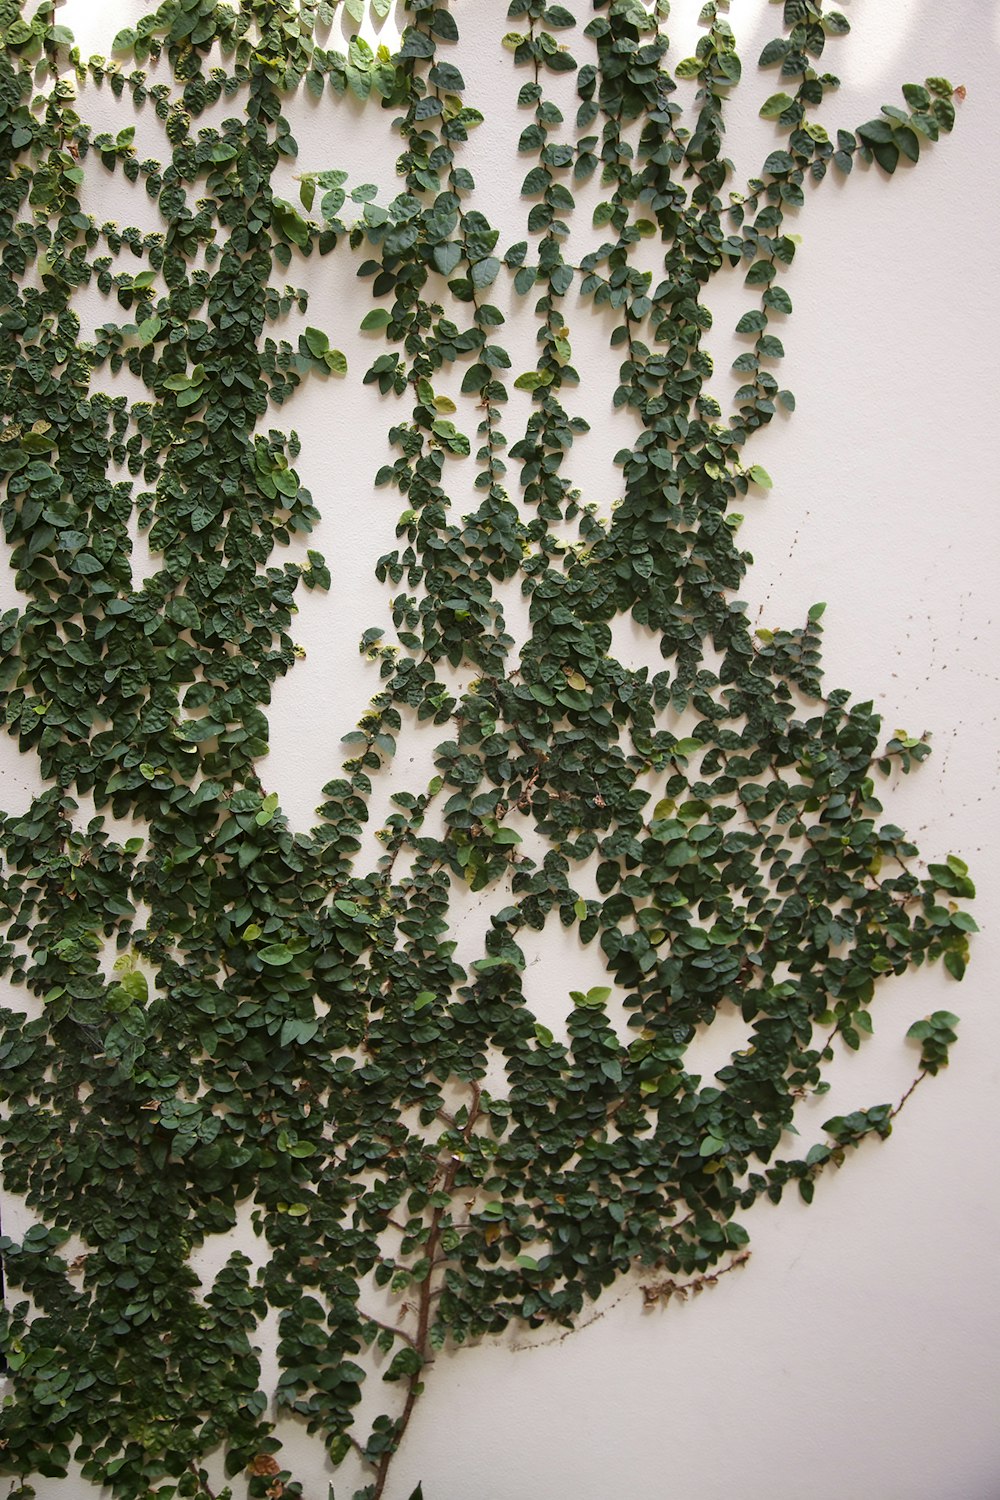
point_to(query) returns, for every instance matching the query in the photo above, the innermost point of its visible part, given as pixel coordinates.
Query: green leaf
(484, 272)
(289, 223)
(875, 132)
(135, 986)
(908, 142)
(887, 155)
(454, 441)
(943, 111)
(955, 964)
(916, 96)
(183, 613)
(531, 380)
(594, 998)
(415, 44)
(773, 52)
(298, 1032)
(446, 256)
(277, 955)
(506, 836)
(752, 322)
(775, 106)
(778, 298)
(332, 202)
(760, 476)
(379, 317)
(268, 809)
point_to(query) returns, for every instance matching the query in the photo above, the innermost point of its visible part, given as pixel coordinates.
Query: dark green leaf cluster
(222, 1012)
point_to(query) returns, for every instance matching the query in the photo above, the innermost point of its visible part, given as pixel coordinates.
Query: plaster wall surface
(857, 1356)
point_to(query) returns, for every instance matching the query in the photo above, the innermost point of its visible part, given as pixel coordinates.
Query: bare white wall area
(856, 1358)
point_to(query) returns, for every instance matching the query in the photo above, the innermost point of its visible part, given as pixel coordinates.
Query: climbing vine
(222, 1011)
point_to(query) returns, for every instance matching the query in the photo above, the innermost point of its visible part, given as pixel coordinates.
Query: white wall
(857, 1355)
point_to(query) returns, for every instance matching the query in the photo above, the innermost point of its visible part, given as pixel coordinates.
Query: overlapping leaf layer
(281, 1026)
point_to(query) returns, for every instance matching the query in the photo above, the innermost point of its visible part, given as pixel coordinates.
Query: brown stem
(210, 1493)
(428, 1292)
(918, 1080)
(399, 1333)
(662, 1291)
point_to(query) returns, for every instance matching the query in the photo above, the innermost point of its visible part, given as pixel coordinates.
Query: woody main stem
(419, 1341)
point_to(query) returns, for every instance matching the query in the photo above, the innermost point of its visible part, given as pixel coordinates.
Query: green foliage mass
(286, 1028)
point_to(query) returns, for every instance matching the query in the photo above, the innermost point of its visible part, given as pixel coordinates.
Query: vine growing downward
(221, 1013)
